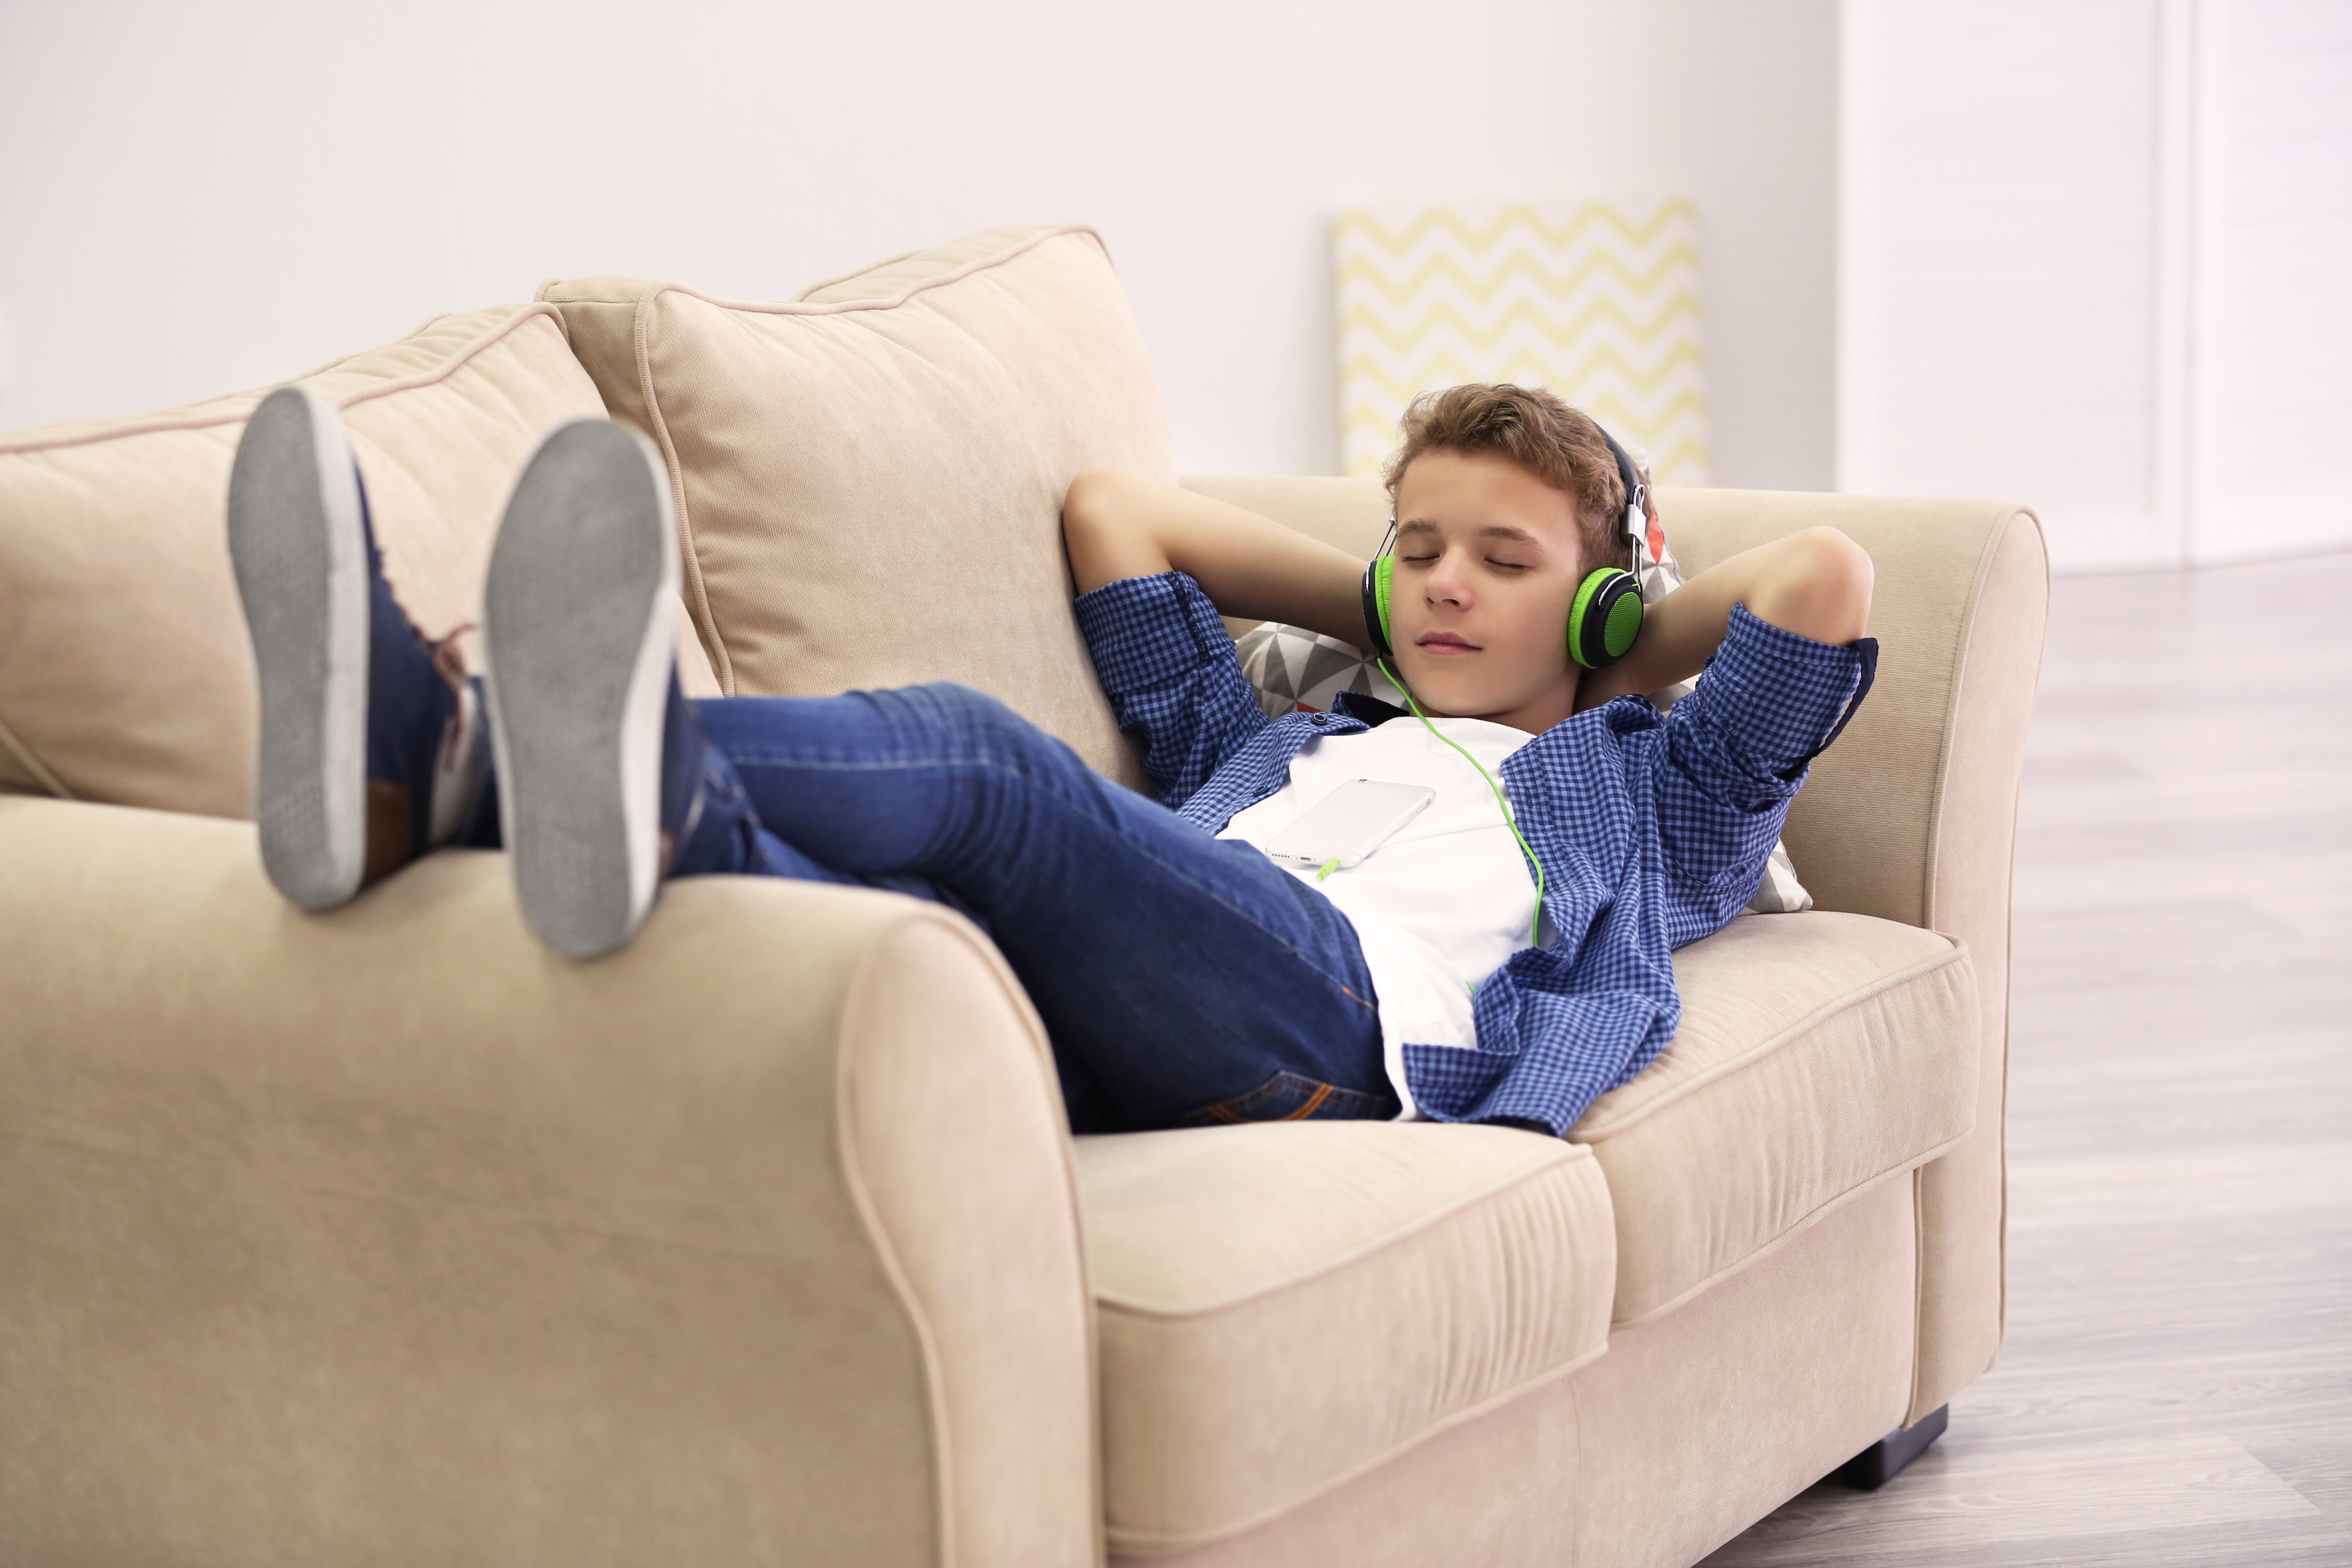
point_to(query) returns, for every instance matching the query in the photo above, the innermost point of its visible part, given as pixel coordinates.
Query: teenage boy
(1182, 976)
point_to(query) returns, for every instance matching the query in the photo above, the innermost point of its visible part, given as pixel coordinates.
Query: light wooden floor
(2175, 1387)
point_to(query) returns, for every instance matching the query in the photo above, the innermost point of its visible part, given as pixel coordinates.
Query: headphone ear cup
(1605, 617)
(1380, 579)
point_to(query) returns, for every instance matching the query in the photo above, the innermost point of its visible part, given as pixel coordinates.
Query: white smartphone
(1350, 823)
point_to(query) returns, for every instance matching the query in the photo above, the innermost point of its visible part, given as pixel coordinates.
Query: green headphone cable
(1510, 819)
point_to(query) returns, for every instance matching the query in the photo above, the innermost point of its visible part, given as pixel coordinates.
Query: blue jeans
(1183, 979)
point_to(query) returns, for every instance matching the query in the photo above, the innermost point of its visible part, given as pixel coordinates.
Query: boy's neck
(1556, 703)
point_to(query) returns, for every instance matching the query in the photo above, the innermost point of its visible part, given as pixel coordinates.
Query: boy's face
(1488, 558)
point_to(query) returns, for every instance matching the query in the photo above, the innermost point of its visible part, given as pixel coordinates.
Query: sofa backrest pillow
(125, 675)
(869, 477)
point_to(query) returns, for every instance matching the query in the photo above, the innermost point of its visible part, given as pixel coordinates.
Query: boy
(1181, 976)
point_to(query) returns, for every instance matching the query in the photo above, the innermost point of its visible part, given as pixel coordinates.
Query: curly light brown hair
(1533, 429)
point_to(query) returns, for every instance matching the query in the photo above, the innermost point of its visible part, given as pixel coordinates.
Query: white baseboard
(2081, 540)
(2267, 526)
(2263, 528)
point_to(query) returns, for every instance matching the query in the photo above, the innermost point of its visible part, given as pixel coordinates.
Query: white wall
(2268, 329)
(197, 198)
(2093, 257)
(1746, 106)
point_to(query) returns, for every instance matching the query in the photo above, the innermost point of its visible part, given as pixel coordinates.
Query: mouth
(1444, 643)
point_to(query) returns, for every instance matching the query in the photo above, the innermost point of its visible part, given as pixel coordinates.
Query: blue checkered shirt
(1652, 830)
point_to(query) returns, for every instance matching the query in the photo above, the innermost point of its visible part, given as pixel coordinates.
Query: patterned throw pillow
(1293, 668)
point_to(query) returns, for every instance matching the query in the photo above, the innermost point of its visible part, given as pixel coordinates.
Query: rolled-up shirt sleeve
(1167, 665)
(1739, 747)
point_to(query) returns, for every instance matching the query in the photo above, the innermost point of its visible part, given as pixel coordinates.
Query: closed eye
(1491, 561)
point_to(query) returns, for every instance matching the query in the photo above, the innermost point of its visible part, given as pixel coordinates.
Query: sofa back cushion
(125, 674)
(869, 477)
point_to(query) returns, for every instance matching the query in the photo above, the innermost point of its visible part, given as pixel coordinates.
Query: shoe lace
(448, 660)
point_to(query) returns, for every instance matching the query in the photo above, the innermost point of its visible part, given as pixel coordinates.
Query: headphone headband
(1637, 494)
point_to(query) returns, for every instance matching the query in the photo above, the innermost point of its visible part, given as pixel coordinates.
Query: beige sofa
(387, 1237)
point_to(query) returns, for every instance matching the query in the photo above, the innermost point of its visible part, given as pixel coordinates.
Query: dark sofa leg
(1883, 1460)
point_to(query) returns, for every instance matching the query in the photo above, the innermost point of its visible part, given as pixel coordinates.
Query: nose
(1448, 581)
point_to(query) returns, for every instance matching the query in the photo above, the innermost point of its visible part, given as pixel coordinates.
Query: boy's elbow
(1094, 496)
(1082, 502)
(1842, 578)
(1106, 527)
(1825, 591)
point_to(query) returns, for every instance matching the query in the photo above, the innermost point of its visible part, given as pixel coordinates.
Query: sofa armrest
(388, 1236)
(1911, 816)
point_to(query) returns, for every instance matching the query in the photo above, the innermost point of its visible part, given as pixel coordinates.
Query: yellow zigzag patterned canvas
(1597, 301)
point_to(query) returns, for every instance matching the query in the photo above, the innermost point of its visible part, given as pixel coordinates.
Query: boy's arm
(1120, 525)
(1815, 584)
(1780, 630)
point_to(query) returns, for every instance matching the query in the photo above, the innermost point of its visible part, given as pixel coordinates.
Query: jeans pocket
(1293, 1097)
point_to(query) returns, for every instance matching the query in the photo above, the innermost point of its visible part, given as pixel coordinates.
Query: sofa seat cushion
(1819, 1054)
(869, 477)
(1284, 1306)
(125, 673)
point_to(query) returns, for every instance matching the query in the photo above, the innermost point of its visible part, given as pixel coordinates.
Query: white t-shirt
(1443, 902)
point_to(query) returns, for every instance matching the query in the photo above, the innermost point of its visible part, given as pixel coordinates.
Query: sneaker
(599, 757)
(373, 743)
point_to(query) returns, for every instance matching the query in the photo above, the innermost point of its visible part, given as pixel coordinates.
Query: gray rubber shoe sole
(579, 625)
(299, 552)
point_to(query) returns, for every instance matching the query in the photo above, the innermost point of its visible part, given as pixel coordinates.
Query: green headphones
(1604, 618)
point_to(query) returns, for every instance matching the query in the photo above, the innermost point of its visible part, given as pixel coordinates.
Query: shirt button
(1322, 719)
